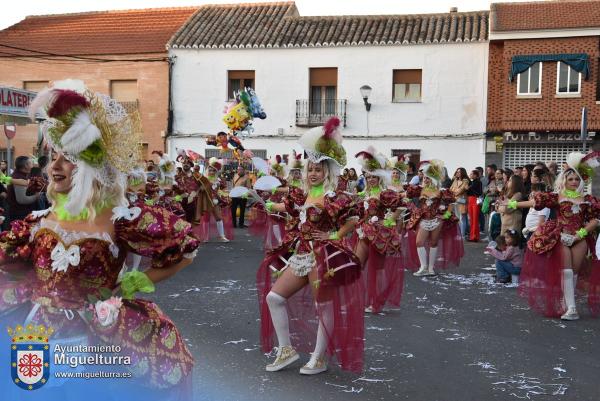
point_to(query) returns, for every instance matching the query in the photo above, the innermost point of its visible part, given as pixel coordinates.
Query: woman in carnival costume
(434, 222)
(60, 266)
(399, 166)
(316, 276)
(379, 237)
(557, 250)
(212, 200)
(164, 194)
(188, 186)
(295, 167)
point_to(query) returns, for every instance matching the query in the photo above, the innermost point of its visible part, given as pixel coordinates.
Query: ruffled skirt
(336, 298)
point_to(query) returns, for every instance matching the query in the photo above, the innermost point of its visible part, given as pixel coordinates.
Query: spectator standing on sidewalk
(240, 179)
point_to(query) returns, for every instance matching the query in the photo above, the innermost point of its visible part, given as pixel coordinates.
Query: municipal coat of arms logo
(30, 356)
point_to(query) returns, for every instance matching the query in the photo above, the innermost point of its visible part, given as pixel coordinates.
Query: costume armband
(582, 233)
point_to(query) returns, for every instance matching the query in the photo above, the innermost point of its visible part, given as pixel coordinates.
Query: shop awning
(580, 62)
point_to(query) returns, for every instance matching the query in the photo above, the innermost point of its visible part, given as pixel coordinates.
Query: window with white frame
(530, 82)
(568, 81)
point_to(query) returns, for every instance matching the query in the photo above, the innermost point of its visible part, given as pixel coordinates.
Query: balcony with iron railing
(315, 112)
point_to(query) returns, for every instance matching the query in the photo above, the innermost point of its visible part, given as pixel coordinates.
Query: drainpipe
(171, 61)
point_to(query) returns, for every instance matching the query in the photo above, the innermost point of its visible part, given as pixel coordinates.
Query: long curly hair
(330, 182)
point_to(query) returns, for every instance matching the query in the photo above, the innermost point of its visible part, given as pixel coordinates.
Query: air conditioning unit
(280, 131)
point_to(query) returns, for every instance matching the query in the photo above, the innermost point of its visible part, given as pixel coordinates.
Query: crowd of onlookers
(27, 190)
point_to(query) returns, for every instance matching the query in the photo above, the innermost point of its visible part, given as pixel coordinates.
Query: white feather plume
(41, 101)
(308, 141)
(574, 159)
(80, 135)
(81, 188)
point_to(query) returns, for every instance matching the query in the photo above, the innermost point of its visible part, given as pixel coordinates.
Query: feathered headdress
(370, 160)
(434, 169)
(215, 163)
(325, 143)
(583, 165)
(277, 165)
(295, 161)
(94, 132)
(166, 167)
(400, 163)
(373, 163)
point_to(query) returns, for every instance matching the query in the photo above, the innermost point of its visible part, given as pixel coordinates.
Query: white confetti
(236, 341)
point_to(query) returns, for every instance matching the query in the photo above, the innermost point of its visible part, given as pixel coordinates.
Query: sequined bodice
(67, 272)
(573, 216)
(430, 206)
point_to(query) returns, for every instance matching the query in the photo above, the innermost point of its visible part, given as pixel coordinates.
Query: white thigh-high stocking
(136, 260)
(277, 233)
(432, 259)
(568, 287)
(325, 328)
(279, 316)
(422, 252)
(220, 229)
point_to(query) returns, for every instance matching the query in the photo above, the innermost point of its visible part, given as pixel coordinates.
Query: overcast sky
(22, 8)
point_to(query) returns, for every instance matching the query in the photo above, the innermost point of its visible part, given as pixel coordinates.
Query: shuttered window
(238, 80)
(407, 85)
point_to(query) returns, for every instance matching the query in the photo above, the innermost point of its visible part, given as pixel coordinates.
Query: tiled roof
(96, 33)
(529, 16)
(266, 25)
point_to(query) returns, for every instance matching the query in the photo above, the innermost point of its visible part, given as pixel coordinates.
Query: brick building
(121, 53)
(543, 69)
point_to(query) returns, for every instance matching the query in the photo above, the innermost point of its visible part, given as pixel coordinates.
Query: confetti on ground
(236, 341)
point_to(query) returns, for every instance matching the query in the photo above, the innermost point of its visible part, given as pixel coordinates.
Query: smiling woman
(72, 255)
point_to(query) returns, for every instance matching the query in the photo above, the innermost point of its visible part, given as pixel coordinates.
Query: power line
(84, 58)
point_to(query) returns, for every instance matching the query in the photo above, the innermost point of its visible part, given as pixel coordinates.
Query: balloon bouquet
(238, 118)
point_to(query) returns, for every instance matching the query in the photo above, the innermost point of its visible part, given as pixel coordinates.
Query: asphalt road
(457, 336)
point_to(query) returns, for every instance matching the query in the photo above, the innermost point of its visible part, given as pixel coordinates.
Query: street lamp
(365, 92)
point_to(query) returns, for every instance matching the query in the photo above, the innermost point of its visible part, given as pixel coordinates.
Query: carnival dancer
(311, 257)
(188, 186)
(379, 238)
(213, 205)
(295, 167)
(434, 222)
(62, 264)
(399, 166)
(557, 251)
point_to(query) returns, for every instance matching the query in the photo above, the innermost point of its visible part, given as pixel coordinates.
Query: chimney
(453, 9)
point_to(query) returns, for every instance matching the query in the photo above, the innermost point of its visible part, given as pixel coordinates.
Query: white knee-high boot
(568, 287)
(432, 259)
(422, 252)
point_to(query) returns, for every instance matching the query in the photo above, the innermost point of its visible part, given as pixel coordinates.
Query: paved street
(457, 337)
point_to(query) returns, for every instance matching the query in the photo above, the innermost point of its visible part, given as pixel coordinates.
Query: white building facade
(428, 98)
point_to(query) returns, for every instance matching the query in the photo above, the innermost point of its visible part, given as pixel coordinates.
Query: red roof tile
(265, 25)
(557, 14)
(96, 33)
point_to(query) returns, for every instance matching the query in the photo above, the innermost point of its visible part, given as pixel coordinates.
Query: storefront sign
(15, 102)
(544, 137)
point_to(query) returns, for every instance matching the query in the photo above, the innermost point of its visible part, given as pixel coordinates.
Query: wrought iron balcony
(314, 112)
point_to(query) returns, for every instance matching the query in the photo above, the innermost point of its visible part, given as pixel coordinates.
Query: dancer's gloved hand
(321, 235)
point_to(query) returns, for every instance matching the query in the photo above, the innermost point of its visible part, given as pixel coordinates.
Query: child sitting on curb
(509, 257)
